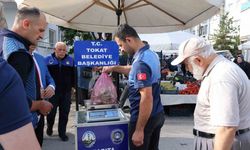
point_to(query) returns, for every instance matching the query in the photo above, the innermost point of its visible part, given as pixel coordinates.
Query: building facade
(245, 26)
(240, 11)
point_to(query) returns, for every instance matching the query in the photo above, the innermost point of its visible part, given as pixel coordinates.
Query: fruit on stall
(192, 88)
(168, 88)
(181, 79)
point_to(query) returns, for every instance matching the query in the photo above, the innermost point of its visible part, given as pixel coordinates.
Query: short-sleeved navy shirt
(145, 72)
(14, 109)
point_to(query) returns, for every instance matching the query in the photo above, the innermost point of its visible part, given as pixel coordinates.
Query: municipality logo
(117, 136)
(88, 139)
(51, 61)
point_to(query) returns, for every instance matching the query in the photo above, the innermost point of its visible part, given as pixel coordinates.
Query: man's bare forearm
(224, 137)
(145, 108)
(122, 69)
(21, 138)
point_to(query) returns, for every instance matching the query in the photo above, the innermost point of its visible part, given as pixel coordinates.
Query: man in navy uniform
(16, 131)
(147, 115)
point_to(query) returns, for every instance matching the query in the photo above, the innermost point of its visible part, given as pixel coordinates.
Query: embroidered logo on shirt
(51, 61)
(141, 76)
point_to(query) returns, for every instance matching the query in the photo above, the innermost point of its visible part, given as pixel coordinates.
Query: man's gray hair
(28, 12)
(208, 51)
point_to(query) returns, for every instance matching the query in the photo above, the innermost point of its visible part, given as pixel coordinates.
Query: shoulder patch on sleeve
(141, 76)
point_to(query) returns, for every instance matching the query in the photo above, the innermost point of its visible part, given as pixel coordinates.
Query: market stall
(179, 89)
(177, 99)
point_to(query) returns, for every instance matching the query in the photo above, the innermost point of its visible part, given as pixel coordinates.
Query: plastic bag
(104, 91)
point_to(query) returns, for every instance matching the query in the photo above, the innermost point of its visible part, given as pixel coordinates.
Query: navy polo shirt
(145, 72)
(14, 109)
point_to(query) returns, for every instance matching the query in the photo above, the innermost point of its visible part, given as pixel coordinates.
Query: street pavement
(176, 134)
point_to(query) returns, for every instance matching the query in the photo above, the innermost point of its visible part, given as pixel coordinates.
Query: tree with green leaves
(70, 35)
(227, 36)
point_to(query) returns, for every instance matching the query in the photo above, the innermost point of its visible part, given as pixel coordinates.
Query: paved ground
(176, 135)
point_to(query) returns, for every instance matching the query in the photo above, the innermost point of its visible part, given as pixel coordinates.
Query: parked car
(226, 53)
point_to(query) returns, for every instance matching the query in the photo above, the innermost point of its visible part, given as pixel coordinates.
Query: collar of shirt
(216, 60)
(146, 47)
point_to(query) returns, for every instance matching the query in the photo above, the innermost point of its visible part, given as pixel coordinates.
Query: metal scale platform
(101, 127)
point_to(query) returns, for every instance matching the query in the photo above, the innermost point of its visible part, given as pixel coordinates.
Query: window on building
(52, 37)
(203, 30)
(61, 34)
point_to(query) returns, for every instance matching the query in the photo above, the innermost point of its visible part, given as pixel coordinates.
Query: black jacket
(62, 71)
(246, 67)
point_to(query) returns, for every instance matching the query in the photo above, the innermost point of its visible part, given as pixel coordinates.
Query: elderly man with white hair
(61, 68)
(222, 113)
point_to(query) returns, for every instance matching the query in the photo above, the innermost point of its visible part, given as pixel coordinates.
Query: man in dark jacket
(28, 28)
(61, 68)
(245, 66)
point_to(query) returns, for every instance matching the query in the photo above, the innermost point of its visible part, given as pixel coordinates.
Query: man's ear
(128, 39)
(199, 60)
(26, 23)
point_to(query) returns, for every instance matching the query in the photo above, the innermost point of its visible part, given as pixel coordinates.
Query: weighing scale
(103, 115)
(101, 127)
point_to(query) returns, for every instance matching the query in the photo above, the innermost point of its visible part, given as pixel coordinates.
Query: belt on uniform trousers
(241, 131)
(211, 135)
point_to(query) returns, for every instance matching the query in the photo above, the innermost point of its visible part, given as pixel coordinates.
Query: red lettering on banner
(141, 76)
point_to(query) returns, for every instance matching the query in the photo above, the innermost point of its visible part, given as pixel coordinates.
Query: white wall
(244, 20)
(233, 7)
(10, 9)
(245, 26)
(213, 25)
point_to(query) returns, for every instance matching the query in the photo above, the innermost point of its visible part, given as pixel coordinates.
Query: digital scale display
(102, 115)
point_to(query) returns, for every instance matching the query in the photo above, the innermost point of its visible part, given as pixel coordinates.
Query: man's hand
(96, 68)
(107, 69)
(49, 92)
(137, 138)
(44, 107)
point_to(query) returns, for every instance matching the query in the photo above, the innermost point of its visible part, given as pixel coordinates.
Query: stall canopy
(244, 46)
(146, 16)
(166, 42)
